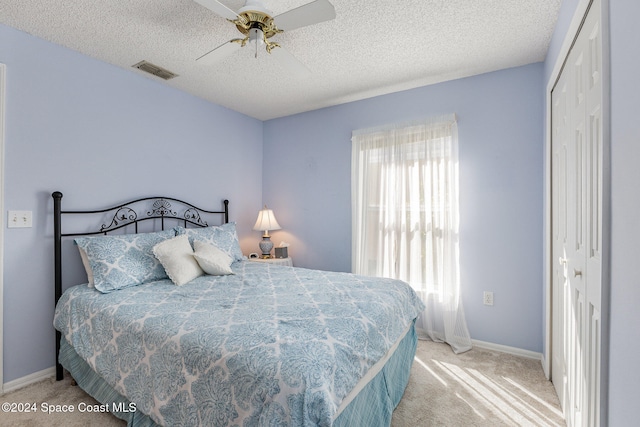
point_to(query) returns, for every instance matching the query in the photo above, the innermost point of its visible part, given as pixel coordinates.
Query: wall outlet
(19, 219)
(487, 298)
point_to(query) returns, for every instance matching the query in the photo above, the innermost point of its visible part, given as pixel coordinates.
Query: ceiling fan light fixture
(256, 39)
(256, 36)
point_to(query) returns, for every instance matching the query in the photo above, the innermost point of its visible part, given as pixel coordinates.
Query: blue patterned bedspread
(269, 345)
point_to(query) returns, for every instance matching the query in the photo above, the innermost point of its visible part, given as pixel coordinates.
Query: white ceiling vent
(150, 68)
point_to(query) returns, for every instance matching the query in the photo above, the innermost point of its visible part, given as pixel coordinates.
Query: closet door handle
(577, 273)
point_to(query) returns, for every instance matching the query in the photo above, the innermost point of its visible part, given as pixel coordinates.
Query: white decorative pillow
(212, 260)
(223, 237)
(87, 266)
(176, 256)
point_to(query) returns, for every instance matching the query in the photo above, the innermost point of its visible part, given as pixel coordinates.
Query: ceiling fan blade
(218, 54)
(289, 62)
(217, 7)
(311, 13)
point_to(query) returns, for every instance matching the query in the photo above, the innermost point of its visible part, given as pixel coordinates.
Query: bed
(240, 343)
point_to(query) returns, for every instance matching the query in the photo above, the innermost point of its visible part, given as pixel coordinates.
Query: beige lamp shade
(266, 221)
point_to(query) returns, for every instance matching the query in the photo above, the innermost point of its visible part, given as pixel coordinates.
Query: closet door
(592, 45)
(577, 218)
(560, 215)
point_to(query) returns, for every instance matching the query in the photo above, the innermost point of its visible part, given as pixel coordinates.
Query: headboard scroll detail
(121, 218)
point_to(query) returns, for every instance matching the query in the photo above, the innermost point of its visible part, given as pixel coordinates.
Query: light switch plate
(19, 219)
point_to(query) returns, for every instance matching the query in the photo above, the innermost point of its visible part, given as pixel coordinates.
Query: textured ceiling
(372, 47)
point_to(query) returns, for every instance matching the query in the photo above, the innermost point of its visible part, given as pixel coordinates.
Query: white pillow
(212, 260)
(176, 256)
(87, 266)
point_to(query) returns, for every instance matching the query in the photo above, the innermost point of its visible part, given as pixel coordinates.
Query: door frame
(572, 32)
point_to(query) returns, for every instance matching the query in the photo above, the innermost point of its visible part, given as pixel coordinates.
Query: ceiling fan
(258, 25)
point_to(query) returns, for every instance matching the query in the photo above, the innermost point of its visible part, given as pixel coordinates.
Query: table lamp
(266, 221)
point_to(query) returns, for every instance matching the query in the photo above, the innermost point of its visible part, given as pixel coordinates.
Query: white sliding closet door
(576, 126)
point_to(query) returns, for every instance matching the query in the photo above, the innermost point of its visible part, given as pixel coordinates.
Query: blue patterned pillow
(120, 261)
(224, 237)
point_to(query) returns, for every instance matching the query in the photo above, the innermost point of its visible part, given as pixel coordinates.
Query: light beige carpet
(477, 388)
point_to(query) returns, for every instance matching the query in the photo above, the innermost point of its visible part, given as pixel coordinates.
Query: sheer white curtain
(405, 217)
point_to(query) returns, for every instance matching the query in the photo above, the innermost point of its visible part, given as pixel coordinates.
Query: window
(405, 217)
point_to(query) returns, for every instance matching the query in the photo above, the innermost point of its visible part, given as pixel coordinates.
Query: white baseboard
(28, 379)
(506, 349)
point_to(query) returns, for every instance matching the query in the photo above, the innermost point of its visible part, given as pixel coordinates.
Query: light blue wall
(307, 175)
(624, 350)
(101, 135)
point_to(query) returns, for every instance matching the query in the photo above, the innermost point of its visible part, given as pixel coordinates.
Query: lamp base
(265, 246)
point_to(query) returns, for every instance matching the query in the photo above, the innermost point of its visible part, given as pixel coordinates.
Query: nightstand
(288, 262)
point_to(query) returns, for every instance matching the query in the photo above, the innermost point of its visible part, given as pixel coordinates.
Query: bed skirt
(372, 406)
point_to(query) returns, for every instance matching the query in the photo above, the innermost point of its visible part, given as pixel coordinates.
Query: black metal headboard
(128, 214)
